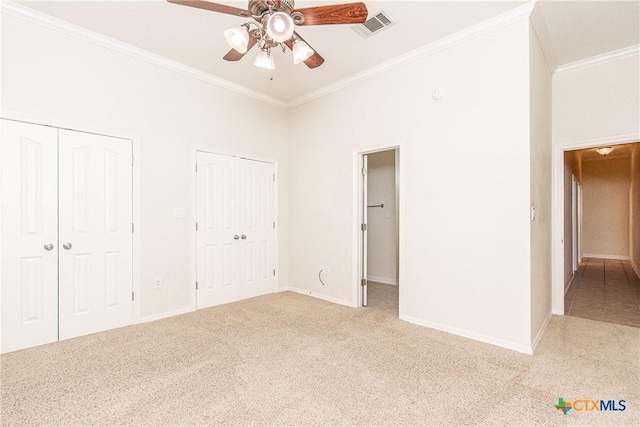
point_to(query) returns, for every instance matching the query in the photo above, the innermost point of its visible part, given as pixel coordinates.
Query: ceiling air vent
(377, 23)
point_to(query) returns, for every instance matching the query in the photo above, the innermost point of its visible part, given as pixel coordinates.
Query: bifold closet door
(235, 234)
(29, 235)
(95, 232)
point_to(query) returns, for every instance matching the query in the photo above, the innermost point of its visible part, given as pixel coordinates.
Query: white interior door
(95, 232)
(257, 227)
(29, 258)
(363, 227)
(218, 231)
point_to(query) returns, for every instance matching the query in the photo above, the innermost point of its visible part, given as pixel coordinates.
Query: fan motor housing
(259, 7)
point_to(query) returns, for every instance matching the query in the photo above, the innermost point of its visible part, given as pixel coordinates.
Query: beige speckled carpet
(288, 359)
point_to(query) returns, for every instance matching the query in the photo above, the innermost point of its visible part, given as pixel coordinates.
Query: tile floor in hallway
(605, 290)
(383, 297)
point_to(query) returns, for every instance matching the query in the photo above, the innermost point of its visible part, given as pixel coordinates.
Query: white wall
(64, 80)
(597, 102)
(381, 222)
(635, 209)
(605, 207)
(540, 129)
(465, 230)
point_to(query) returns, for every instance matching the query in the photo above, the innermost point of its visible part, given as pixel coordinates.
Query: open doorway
(601, 225)
(380, 231)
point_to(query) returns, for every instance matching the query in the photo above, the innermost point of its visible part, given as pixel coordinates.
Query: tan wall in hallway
(605, 207)
(635, 208)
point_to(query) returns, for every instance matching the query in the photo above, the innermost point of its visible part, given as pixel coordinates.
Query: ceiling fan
(274, 22)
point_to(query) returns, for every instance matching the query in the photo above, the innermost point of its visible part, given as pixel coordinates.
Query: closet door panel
(29, 235)
(95, 186)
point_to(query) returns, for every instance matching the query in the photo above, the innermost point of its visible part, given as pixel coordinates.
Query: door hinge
(274, 177)
(274, 224)
(133, 229)
(274, 271)
(196, 168)
(196, 285)
(363, 227)
(364, 171)
(363, 282)
(132, 160)
(132, 296)
(196, 226)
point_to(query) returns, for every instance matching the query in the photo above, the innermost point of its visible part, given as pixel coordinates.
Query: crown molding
(475, 31)
(614, 55)
(101, 40)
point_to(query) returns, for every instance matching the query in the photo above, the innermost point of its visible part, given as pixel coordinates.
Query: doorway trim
(557, 227)
(401, 164)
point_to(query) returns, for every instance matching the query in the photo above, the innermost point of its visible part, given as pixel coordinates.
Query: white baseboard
(602, 256)
(317, 295)
(568, 281)
(540, 333)
(384, 280)
(468, 334)
(165, 314)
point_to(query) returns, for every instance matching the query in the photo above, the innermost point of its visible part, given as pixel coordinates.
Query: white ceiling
(193, 37)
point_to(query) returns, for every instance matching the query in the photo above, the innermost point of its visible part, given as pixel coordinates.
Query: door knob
(48, 246)
(243, 237)
(67, 245)
(236, 237)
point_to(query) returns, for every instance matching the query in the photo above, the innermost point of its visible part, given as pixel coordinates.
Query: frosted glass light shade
(280, 27)
(237, 38)
(264, 60)
(604, 150)
(301, 52)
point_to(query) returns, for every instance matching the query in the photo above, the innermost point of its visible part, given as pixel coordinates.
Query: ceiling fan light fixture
(280, 27)
(237, 38)
(264, 60)
(301, 51)
(604, 150)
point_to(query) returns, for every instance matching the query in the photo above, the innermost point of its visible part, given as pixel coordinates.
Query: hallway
(605, 290)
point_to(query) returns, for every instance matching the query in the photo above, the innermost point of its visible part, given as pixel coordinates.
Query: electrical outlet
(325, 269)
(157, 282)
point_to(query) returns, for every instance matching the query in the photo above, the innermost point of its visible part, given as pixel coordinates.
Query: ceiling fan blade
(351, 13)
(314, 60)
(234, 55)
(214, 7)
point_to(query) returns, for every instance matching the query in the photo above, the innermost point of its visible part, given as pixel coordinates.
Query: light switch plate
(178, 213)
